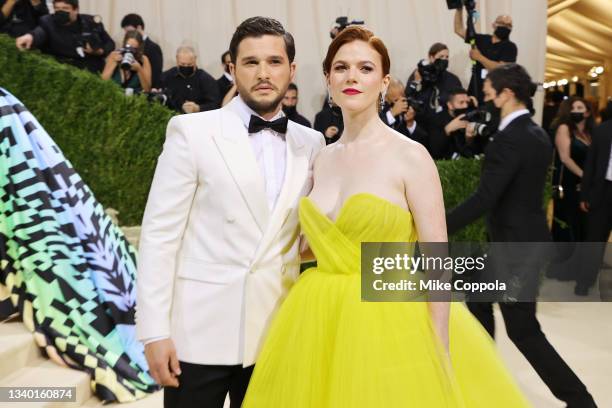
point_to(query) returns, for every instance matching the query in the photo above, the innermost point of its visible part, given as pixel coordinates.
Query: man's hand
(476, 55)
(400, 105)
(584, 206)
(191, 107)
(331, 132)
(455, 124)
(35, 2)
(115, 56)
(24, 42)
(90, 51)
(163, 363)
(474, 101)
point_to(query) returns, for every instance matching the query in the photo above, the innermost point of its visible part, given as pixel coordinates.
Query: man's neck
(495, 39)
(510, 108)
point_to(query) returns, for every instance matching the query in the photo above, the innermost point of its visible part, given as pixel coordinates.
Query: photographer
(329, 122)
(128, 66)
(152, 50)
(448, 139)
(431, 83)
(290, 101)
(71, 37)
(189, 88)
(18, 17)
(399, 114)
(489, 51)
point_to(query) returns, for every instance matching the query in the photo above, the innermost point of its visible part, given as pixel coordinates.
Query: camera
(412, 90)
(430, 72)
(470, 5)
(482, 122)
(92, 33)
(128, 58)
(341, 24)
(160, 97)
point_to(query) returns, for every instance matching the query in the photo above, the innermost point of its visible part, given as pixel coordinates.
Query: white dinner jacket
(214, 263)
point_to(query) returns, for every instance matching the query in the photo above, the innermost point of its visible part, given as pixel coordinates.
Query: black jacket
(326, 118)
(200, 88)
(23, 18)
(63, 42)
(512, 182)
(596, 166)
(156, 58)
(224, 85)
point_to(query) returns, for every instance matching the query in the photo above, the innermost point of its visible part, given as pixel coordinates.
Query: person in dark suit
(19, 17)
(190, 89)
(329, 122)
(151, 49)
(290, 102)
(596, 201)
(225, 81)
(513, 177)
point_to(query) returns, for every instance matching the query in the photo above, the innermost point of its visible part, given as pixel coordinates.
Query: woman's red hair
(357, 33)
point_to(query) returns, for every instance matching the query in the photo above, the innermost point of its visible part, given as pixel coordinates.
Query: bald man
(490, 51)
(189, 88)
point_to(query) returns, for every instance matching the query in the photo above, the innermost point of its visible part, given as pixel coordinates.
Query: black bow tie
(256, 124)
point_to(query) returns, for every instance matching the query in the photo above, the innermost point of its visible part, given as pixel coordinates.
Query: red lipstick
(350, 91)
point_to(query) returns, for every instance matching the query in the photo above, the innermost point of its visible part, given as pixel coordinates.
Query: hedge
(113, 141)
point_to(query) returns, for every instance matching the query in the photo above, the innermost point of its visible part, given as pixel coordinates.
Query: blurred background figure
(290, 102)
(151, 49)
(128, 66)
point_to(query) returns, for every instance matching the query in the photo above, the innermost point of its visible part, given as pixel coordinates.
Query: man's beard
(262, 107)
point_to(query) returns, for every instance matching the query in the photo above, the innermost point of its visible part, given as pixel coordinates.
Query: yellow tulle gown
(328, 349)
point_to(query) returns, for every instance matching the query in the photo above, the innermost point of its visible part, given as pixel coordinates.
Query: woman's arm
(424, 197)
(144, 73)
(111, 64)
(563, 142)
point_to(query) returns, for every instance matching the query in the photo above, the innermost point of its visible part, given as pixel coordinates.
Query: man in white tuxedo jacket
(219, 243)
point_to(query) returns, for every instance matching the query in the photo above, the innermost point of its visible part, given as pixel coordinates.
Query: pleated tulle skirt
(326, 348)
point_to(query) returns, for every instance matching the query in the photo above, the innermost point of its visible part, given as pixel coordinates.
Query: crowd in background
(433, 108)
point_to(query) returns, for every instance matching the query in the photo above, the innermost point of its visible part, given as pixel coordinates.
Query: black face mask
(461, 111)
(503, 33)
(490, 107)
(186, 71)
(441, 64)
(289, 110)
(577, 117)
(61, 17)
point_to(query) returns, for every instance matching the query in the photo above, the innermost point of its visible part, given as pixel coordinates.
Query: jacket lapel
(295, 175)
(233, 144)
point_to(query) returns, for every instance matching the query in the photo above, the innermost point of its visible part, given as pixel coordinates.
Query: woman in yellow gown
(328, 349)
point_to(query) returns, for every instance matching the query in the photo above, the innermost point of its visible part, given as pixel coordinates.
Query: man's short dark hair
(133, 20)
(292, 86)
(223, 56)
(515, 78)
(258, 27)
(454, 92)
(73, 3)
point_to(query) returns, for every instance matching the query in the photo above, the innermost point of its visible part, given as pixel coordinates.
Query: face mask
(61, 17)
(289, 110)
(491, 108)
(441, 64)
(186, 71)
(503, 33)
(577, 117)
(461, 111)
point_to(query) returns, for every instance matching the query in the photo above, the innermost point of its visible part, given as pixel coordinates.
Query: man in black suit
(510, 193)
(596, 191)
(151, 49)
(19, 17)
(290, 102)
(225, 81)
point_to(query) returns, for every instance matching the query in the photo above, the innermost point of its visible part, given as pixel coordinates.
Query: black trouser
(599, 224)
(524, 330)
(206, 386)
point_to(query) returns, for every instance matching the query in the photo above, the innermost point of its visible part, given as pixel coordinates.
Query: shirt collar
(412, 128)
(508, 119)
(228, 76)
(245, 112)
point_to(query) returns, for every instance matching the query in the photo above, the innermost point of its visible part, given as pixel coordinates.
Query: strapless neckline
(351, 199)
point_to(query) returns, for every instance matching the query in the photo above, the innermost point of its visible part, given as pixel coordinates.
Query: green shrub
(113, 141)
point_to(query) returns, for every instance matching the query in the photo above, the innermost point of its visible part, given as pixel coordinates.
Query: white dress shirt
(270, 150)
(508, 119)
